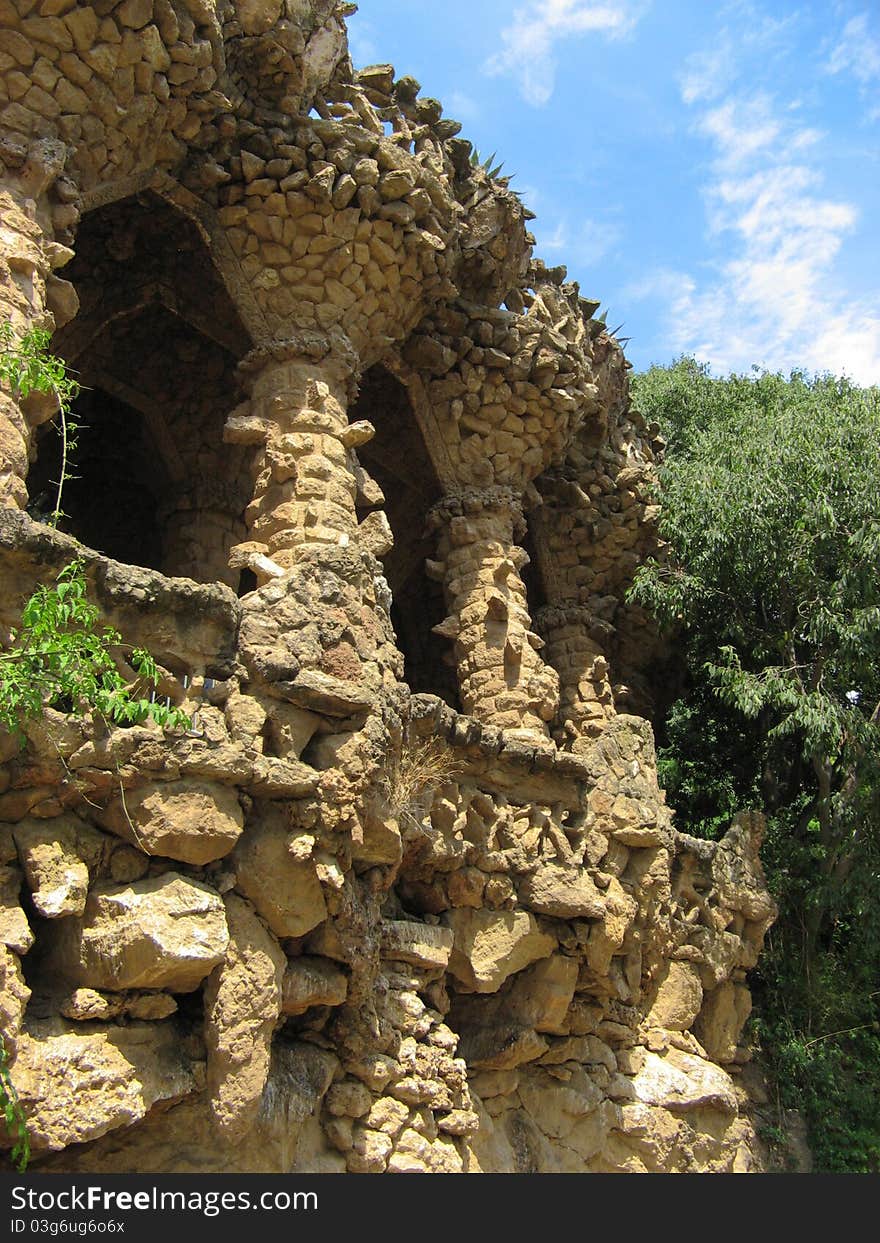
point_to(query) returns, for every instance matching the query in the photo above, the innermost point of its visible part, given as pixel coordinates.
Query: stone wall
(340, 923)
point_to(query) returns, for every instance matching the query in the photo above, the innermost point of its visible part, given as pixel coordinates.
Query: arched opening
(533, 579)
(397, 459)
(117, 479)
(155, 346)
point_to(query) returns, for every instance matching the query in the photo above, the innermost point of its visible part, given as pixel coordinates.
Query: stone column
(574, 650)
(199, 528)
(29, 294)
(503, 680)
(304, 478)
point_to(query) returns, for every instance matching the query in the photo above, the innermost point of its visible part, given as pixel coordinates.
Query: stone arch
(399, 475)
(155, 343)
(432, 436)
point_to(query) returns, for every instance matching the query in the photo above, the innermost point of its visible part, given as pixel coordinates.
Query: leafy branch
(13, 1114)
(27, 366)
(60, 657)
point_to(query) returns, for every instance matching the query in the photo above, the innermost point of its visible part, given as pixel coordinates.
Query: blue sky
(709, 170)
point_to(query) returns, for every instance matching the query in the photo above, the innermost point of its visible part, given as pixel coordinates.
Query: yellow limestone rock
(681, 1081)
(75, 1086)
(722, 1019)
(242, 1005)
(57, 875)
(310, 981)
(164, 932)
(565, 892)
(489, 946)
(423, 945)
(15, 930)
(285, 890)
(541, 996)
(193, 821)
(14, 996)
(678, 999)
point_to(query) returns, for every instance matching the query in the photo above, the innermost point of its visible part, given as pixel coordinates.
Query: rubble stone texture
(364, 476)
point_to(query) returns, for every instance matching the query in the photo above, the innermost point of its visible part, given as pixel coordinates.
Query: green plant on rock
(27, 366)
(61, 657)
(13, 1114)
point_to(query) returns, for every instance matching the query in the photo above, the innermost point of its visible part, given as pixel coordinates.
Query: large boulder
(14, 996)
(165, 932)
(489, 946)
(722, 1018)
(56, 855)
(562, 891)
(15, 931)
(310, 981)
(75, 1086)
(193, 821)
(678, 999)
(284, 888)
(681, 1081)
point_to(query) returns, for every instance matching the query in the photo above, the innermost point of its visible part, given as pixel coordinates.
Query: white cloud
(594, 239)
(740, 128)
(584, 244)
(462, 106)
(708, 74)
(756, 29)
(771, 298)
(362, 45)
(557, 240)
(528, 42)
(857, 52)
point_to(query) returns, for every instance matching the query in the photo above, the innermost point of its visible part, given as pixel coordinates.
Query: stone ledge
(540, 756)
(178, 619)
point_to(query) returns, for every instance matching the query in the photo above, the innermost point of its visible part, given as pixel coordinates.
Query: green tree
(771, 515)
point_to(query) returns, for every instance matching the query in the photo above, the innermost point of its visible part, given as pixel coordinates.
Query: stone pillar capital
(576, 636)
(477, 502)
(558, 616)
(332, 350)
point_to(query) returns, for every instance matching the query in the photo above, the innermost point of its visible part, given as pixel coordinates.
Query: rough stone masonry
(363, 474)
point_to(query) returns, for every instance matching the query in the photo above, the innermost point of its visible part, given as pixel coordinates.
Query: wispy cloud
(771, 298)
(708, 74)
(584, 243)
(857, 52)
(362, 44)
(463, 106)
(528, 43)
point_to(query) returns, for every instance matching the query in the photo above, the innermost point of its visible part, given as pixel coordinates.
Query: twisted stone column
(29, 294)
(573, 649)
(304, 479)
(503, 680)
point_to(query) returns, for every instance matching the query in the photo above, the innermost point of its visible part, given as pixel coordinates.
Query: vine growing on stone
(13, 1114)
(27, 366)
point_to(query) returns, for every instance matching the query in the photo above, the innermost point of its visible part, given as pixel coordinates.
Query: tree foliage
(769, 583)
